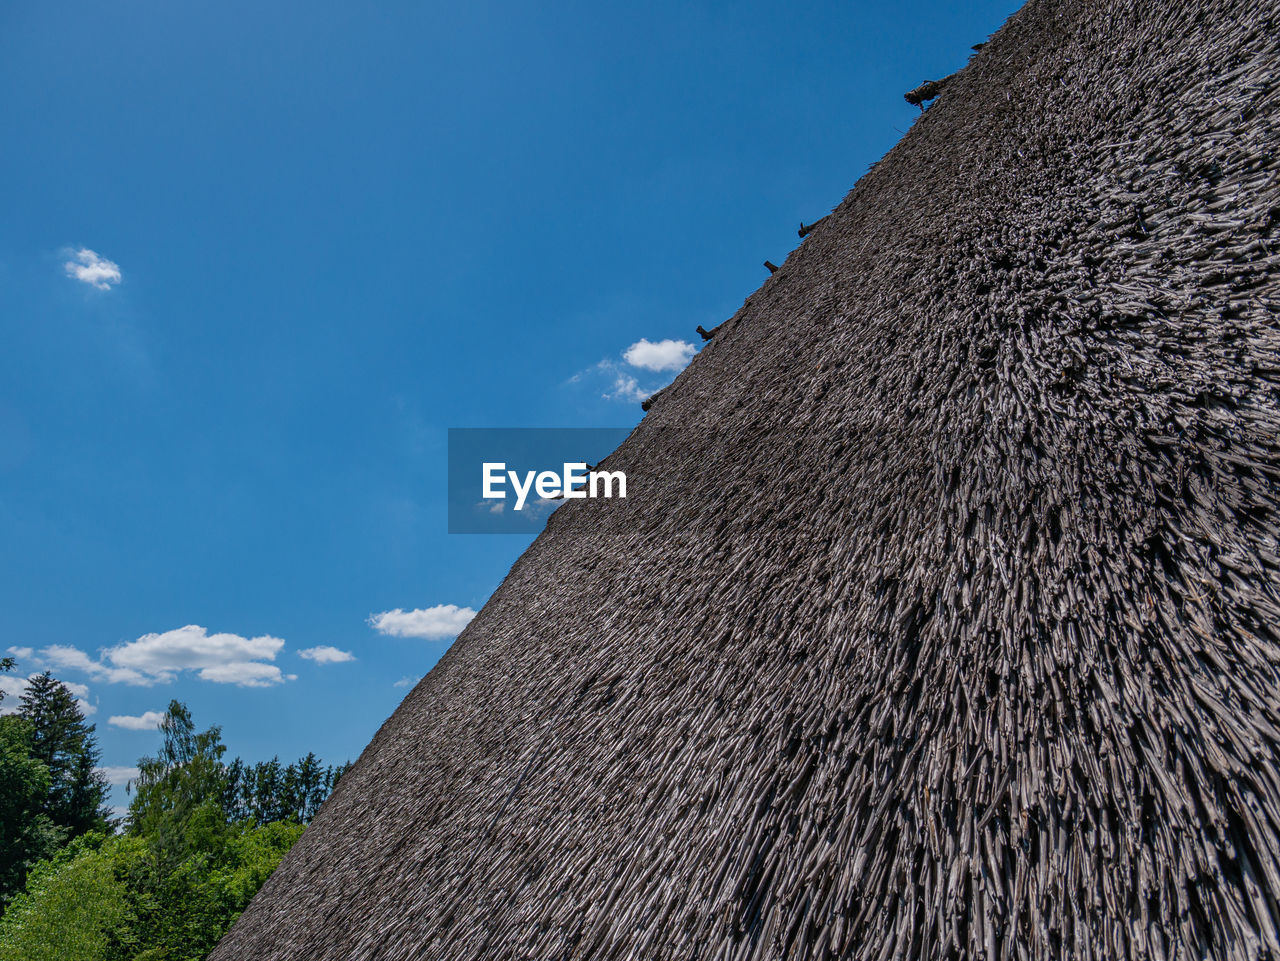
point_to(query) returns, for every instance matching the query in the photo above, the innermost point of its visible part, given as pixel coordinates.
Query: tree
(196, 852)
(267, 791)
(183, 912)
(181, 787)
(309, 786)
(65, 744)
(268, 778)
(26, 833)
(74, 908)
(236, 794)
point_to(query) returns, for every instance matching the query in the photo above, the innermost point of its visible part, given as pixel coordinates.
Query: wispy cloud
(431, 623)
(117, 774)
(22, 653)
(324, 654)
(159, 658)
(626, 387)
(621, 380)
(146, 721)
(663, 355)
(89, 268)
(406, 681)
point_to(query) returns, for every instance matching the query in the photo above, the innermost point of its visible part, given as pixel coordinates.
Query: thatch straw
(943, 619)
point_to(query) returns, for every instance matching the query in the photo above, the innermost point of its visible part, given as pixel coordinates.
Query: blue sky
(255, 259)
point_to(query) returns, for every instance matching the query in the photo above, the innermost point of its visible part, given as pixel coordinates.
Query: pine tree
(235, 791)
(65, 744)
(310, 786)
(26, 833)
(267, 791)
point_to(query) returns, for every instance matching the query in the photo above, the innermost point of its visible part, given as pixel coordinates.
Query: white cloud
(245, 674)
(220, 657)
(664, 355)
(72, 658)
(117, 774)
(78, 690)
(158, 659)
(432, 623)
(14, 687)
(81, 693)
(406, 682)
(21, 652)
(87, 267)
(147, 721)
(324, 654)
(625, 387)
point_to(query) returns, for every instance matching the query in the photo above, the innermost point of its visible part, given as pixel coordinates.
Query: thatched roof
(943, 619)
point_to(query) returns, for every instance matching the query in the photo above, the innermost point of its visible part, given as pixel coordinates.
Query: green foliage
(50, 790)
(108, 899)
(267, 791)
(188, 772)
(73, 909)
(178, 785)
(64, 743)
(183, 912)
(26, 833)
(193, 858)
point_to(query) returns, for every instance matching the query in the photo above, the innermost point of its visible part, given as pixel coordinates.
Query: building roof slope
(943, 617)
